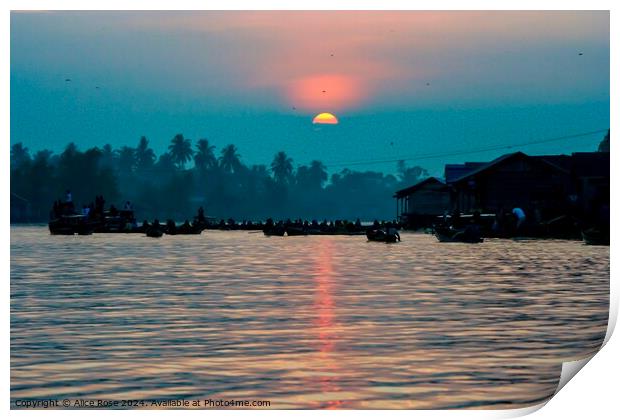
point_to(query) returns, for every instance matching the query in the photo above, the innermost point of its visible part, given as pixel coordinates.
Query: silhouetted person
(456, 219)
(201, 214)
(520, 216)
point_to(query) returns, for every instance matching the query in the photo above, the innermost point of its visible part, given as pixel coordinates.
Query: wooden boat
(466, 235)
(71, 225)
(595, 236)
(155, 232)
(296, 231)
(378, 235)
(275, 231)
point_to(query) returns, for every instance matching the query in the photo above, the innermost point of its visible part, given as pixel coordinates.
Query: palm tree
(108, 156)
(19, 155)
(282, 168)
(180, 150)
(318, 172)
(145, 157)
(126, 159)
(230, 159)
(204, 158)
(313, 176)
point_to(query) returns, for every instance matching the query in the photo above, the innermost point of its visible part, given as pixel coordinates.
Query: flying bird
(580, 53)
(428, 84)
(67, 80)
(324, 91)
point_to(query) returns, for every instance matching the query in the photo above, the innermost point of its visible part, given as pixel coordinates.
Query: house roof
(407, 191)
(545, 159)
(593, 164)
(454, 171)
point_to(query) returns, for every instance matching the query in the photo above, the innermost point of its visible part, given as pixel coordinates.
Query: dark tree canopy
(165, 186)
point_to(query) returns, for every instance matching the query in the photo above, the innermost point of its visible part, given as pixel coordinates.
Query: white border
(592, 394)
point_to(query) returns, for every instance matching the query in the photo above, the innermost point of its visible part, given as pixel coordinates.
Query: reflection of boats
(469, 234)
(71, 224)
(378, 235)
(595, 236)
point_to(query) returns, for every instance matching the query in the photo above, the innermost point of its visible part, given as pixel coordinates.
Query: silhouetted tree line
(186, 176)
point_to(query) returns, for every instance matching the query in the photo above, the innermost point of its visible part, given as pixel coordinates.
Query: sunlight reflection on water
(306, 322)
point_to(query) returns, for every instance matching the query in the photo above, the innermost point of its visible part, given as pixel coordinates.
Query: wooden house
(533, 183)
(418, 205)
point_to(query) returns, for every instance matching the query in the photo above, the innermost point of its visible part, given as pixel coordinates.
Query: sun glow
(336, 92)
(325, 118)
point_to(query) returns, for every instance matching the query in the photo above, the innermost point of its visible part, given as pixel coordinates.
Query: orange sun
(325, 118)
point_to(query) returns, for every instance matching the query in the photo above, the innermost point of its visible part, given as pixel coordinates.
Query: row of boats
(123, 221)
(120, 222)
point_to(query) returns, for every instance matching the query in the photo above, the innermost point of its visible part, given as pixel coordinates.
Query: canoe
(378, 235)
(275, 231)
(595, 237)
(444, 234)
(155, 232)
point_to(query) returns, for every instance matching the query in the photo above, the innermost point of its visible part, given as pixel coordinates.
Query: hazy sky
(402, 84)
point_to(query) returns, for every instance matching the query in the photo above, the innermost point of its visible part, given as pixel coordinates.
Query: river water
(303, 322)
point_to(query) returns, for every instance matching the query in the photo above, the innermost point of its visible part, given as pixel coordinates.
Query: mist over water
(305, 322)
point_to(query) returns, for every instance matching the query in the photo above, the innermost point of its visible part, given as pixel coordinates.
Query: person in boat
(393, 231)
(68, 205)
(201, 215)
(455, 220)
(472, 230)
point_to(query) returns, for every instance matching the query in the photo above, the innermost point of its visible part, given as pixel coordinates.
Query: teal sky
(403, 84)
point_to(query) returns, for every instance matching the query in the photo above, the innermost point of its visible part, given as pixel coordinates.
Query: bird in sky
(580, 53)
(67, 80)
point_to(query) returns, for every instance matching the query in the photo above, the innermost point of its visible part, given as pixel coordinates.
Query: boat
(275, 231)
(155, 232)
(190, 230)
(594, 236)
(71, 225)
(378, 235)
(450, 234)
(296, 231)
(117, 221)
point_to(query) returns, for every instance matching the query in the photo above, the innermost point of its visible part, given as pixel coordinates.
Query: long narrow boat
(448, 234)
(595, 237)
(378, 235)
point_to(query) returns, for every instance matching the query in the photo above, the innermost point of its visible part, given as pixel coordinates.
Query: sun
(325, 118)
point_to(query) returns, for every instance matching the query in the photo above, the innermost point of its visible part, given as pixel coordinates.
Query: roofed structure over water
(543, 186)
